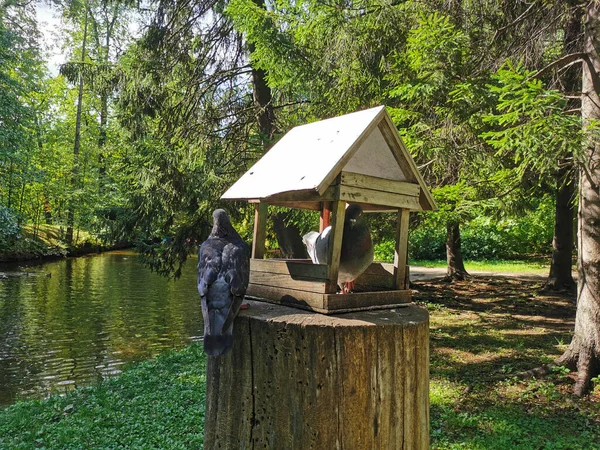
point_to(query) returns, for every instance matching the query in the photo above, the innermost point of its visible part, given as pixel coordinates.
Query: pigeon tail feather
(218, 344)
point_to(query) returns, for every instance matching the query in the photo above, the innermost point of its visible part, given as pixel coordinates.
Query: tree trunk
(456, 267)
(583, 353)
(77, 143)
(263, 100)
(560, 277)
(298, 380)
(288, 237)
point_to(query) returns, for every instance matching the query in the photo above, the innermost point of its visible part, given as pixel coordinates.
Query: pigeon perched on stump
(223, 274)
(357, 247)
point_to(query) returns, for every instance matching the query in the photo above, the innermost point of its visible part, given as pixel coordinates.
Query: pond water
(92, 315)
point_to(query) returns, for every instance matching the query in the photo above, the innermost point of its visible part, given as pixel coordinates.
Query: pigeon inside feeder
(356, 253)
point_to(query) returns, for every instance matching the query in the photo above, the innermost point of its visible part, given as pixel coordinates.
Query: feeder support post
(325, 219)
(260, 229)
(335, 244)
(401, 251)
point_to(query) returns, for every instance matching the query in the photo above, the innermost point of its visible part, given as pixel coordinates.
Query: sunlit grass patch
(502, 266)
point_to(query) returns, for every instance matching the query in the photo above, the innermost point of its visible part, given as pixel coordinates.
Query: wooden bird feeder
(355, 158)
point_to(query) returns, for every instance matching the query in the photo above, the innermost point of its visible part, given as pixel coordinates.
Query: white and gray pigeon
(357, 247)
(223, 274)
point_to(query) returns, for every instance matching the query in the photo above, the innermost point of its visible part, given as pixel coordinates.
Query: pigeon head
(353, 212)
(221, 224)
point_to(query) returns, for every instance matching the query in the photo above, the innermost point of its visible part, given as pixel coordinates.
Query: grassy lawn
(482, 333)
(497, 265)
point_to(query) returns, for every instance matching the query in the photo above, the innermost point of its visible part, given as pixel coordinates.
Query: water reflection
(90, 317)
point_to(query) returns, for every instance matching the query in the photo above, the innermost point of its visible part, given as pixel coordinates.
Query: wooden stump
(302, 380)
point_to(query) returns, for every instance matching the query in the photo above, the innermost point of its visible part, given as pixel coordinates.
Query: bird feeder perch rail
(355, 158)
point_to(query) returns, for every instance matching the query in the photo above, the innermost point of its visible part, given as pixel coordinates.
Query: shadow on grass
(483, 331)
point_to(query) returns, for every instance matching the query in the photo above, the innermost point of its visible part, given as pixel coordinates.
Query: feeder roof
(310, 157)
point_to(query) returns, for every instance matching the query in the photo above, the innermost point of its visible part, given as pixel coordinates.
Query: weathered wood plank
(378, 268)
(294, 268)
(285, 281)
(229, 405)
(333, 302)
(422, 385)
(409, 335)
(401, 250)
(339, 165)
(354, 349)
(338, 213)
(390, 134)
(380, 184)
(367, 282)
(311, 206)
(285, 296)
(296, 377)
(370, 196)
(300, 196)
(260, 229)
(377, 275)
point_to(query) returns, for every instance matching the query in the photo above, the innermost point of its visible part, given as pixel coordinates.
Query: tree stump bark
(301, 380)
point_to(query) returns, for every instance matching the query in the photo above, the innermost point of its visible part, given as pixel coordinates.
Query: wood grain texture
(405, 161)
(353, 194)
(285, 281)
(380, 184)
(285, 296)
(297, 380)
(338, 213)
(293, 268)
(401, 251)
(260, 228)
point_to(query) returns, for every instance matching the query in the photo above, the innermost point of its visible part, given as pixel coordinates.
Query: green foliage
(487, 236)
(189, 135)
(9, 227)
(530, 124)
(20, 82)
(156, 404)
(384, 250)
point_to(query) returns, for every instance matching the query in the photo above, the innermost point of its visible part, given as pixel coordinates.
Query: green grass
(156, 404)
(503, 266)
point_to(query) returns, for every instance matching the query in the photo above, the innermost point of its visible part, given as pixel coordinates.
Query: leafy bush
(384, 250)
(483, 237)
(9, 227)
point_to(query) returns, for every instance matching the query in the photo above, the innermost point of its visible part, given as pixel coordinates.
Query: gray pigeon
(223, 273)
(357, 247)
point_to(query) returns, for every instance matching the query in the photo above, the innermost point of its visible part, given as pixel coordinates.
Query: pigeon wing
(236, 268)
